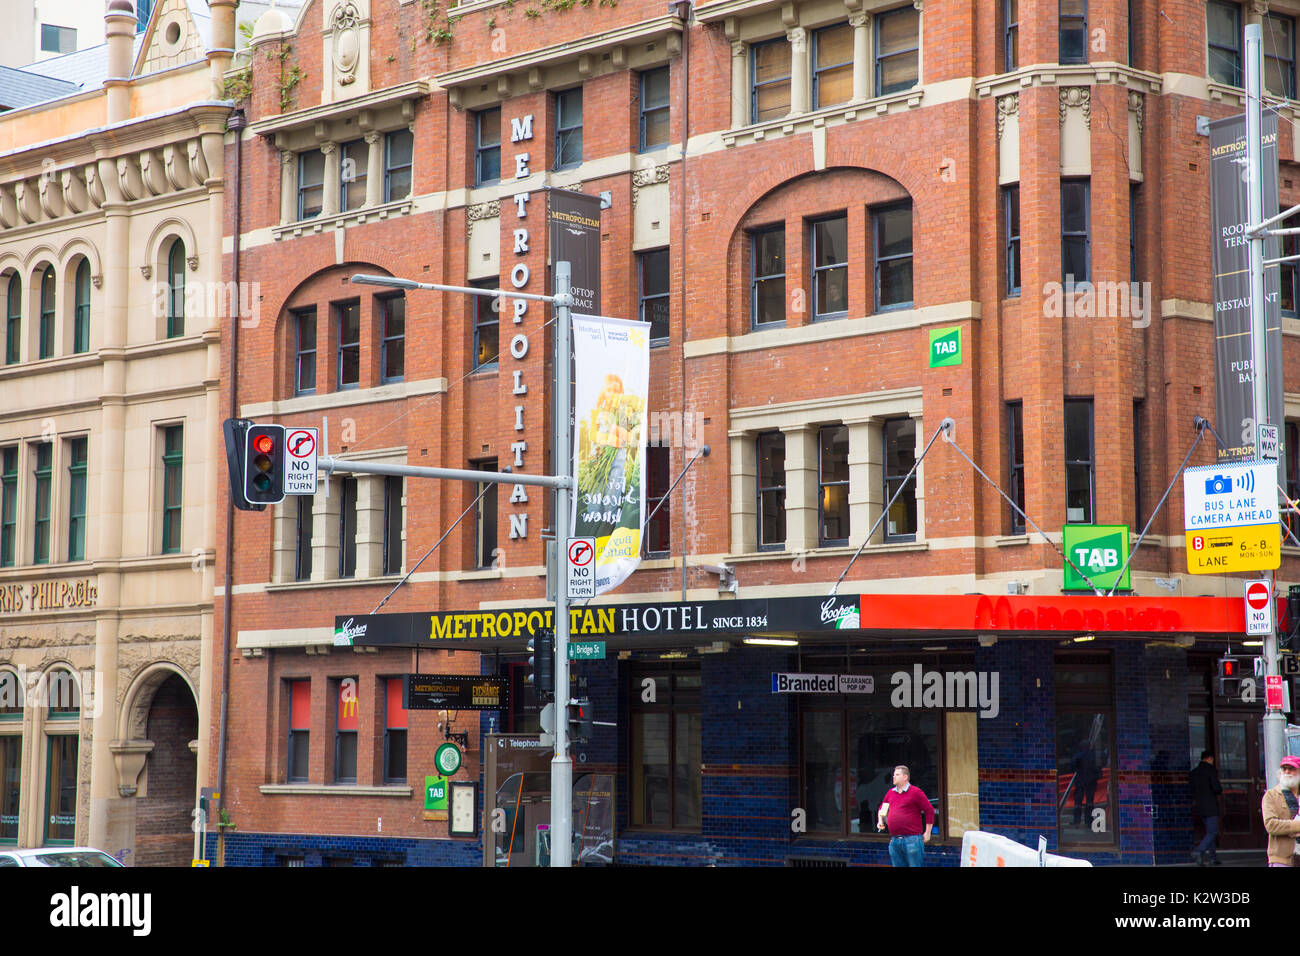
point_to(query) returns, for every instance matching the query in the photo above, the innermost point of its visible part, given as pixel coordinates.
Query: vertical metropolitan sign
(1229, 218)
(612, 358)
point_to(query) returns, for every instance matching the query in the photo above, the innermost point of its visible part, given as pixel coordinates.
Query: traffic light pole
(1274, 722)
(561, 832)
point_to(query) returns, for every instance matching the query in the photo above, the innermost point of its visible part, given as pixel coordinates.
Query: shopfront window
(61, 790)
(1085, 766)
(11, 748)
(664, 771)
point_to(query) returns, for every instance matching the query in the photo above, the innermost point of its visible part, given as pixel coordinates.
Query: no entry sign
(1259, 608)
(300, 462)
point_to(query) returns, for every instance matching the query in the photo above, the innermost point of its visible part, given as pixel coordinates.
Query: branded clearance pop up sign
(1099, 551)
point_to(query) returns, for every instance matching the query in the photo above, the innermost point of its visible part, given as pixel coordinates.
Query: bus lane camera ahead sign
(1098, 550)
(300, 461)
(1230, 517)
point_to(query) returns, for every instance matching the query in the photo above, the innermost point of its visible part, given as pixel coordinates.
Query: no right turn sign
(300, 462)
(580, 573)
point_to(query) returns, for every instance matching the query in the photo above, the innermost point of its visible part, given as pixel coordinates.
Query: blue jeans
(907, 850)
(1211, 831)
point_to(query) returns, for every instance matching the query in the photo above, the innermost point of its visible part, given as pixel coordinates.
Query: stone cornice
(1053, 74)
(307, 118)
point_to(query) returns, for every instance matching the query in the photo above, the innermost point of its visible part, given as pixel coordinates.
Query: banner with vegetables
(611, 359)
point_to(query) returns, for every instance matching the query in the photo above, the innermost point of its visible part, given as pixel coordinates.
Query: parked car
(57, 856)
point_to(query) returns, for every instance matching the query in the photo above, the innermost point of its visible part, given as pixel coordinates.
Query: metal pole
(561, 765)
(1274, 722)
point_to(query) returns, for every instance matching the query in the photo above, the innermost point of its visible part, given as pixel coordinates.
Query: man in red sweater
(904, 808)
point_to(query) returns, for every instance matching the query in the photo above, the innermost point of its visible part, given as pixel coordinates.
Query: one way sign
(300, 461)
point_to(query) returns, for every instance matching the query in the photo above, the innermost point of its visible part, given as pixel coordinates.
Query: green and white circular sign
(447, 759)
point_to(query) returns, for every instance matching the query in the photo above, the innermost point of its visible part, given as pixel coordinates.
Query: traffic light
(235, 431)
(541, 665)
(1288, 637)
(264, 464)
(1230, 674)
(581, 720)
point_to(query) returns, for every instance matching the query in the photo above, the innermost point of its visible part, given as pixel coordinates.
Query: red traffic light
(263, 444)
(1228, 667)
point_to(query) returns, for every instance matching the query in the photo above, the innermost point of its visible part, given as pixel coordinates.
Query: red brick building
(858, 178)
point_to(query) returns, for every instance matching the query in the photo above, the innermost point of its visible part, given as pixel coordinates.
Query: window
(830, 276)
(311, 184)
(8, 506)
(898, 35)
(60, 790)
(664, 768)
(893, 251)
(652, 268)
(485, 518)
(64, 695)
(769, 80)
(349, 357)
(13, 318)
(348, 528)
(353, 163)
(12, 694)
(1073, 35)
(46, 327)
(142, 10)
(487, 325)
(1078, 461)
(654, 109)
(1132, 232)
(58, 39)
(1138, 426)
(395, 725)
(1016, 463)
(176, 290)
(900, 455)
(1010, 35)
(833, 485)
(1011, 223)
(399, 148)
(771, 491)
(41, 530)
(487, 146)
(392, 357)
(302, 538)
(345, 732)
(832, 60)
(850, 744)
(81, 323)
(393, 514)
(1279, 54)
(1074, 231)
(767, 282)
(304, 363)
(299, 729)
(77, 499)
(568, 128)
(658, 477)
(11, 749)
(1292, 449)
(1224, 36)
(1085, 769)
(173, 462)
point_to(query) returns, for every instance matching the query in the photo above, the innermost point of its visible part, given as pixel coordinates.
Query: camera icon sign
(1218, 485)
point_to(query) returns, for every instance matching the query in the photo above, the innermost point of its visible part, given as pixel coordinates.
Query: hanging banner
(612, 359)
(574, 219)
(1229, 219)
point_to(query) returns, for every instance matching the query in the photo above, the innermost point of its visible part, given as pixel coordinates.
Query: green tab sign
(1099, 551)
(435, 793)
(945, 347)
(586, 650)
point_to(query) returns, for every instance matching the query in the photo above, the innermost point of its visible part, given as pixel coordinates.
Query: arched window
(47, 313)
(176, 287)
(13, 318)
(81, 327)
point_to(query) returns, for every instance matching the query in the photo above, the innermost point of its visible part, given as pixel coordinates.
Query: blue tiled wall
(262, 849)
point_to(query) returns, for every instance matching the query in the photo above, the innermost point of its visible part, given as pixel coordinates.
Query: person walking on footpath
(1205, 787)
(906, 810)
(1281, 809)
